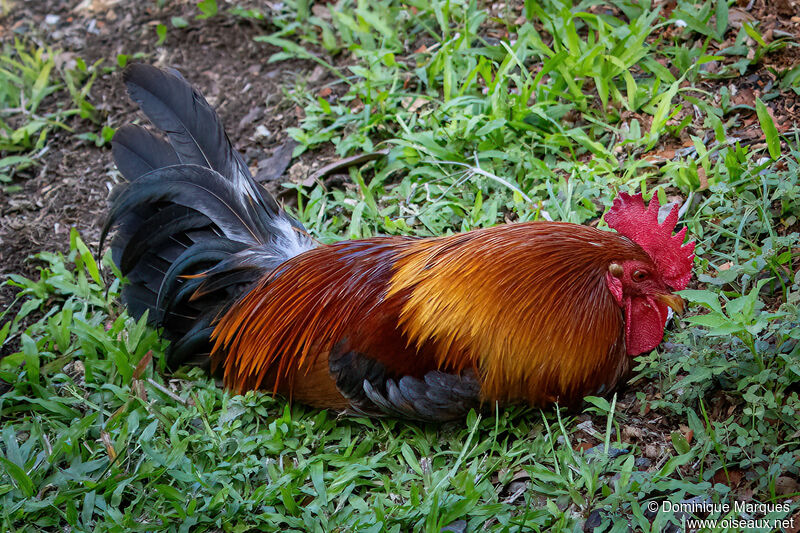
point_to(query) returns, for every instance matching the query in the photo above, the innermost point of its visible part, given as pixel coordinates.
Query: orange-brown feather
(526, 305)
(275, 334)
(315, 388)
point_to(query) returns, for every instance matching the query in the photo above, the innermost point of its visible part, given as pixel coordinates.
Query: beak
(674, 301)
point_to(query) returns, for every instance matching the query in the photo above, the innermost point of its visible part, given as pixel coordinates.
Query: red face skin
(645, 298)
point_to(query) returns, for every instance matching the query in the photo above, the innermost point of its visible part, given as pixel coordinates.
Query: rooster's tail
(191, 215)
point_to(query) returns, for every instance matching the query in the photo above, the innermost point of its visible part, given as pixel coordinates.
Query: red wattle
(644, 324)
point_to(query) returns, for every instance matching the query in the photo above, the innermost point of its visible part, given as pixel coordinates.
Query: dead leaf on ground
(144, 362)
(744, 96)
(299, 172)
(732, 479)
(413, 104)
(701, 176)
(667, 153)
(95, 6)
(737, 17)
(459, 526)
(782, 125)
(106, 440)
(632, 432)
(345, 163)
(652, 451)
(317, 74)
(687, 433)
(785, 485)
(322, 12)
(273, 167)
(250, 117)
(795, 524)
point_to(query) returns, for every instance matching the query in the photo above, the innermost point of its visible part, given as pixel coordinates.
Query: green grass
(30, 83)
(548, 122)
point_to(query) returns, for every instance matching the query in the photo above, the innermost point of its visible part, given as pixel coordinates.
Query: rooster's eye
(639, 275)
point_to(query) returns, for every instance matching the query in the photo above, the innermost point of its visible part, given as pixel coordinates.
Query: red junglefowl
(426, 329)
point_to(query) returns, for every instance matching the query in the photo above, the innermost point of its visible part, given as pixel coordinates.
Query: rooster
(535, 312)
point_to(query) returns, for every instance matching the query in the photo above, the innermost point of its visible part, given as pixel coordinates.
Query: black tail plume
(193, 228)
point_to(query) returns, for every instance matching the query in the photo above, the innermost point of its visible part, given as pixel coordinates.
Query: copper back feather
(526, 305)
(299, 311)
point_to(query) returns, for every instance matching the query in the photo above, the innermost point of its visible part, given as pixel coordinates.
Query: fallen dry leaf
(785, 485)
(701, 175)
(105, 438)
(688, 435)
(142, 365)
(413, 104)
(744, 96)
(651, 451)
(632, 432)
(321, 11)
(732, 479)
(737, 17)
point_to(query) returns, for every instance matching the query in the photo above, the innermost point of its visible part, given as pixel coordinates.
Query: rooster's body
(418, 328)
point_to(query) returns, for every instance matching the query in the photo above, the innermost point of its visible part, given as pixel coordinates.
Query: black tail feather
(198, 258)
(193, 230)
(172, 220)
(192, 126)
(138, 151)
(197, 188)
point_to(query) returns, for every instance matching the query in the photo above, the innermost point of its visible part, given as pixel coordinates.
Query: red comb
(632, 219)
